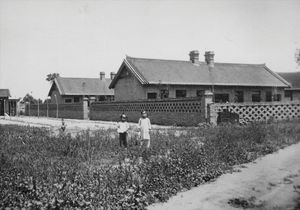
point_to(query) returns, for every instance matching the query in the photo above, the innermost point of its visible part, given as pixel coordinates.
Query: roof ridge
(156, 59)
(83, 78)
(201, 62)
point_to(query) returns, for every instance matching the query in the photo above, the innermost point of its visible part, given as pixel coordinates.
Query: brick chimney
(194, 56)
(102, 75)
(209, 58)
(112, 75)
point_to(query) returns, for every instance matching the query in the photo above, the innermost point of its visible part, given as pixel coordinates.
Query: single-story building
(7, 105)
(157, 79)
(292, 93)
(65, 90)
(4, 105)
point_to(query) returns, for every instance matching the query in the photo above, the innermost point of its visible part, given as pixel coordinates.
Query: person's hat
(123, 116)
(143, 112)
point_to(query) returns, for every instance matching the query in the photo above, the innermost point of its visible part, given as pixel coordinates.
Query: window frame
(256, 93)
(269, 97)
(150, 98)
(68, 99)
(221, 94)
(76, 97)
(177, 95)
(277, 97)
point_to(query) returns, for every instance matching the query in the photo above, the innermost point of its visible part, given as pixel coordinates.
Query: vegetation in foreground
(41, 171)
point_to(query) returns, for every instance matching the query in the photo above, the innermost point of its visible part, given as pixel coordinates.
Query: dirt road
(267, 183)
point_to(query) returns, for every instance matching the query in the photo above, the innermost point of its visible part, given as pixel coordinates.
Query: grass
(38, 170)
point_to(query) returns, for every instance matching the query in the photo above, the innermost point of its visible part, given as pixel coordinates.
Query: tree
(297, 56)
(52, 76)
(29, 98)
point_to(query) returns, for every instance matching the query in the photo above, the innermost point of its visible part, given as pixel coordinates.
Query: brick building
(292, 93)
(155, 79)
(72, 90)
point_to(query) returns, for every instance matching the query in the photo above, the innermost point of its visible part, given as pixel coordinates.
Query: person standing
(122, 130)
(145, 127)
(63, 125)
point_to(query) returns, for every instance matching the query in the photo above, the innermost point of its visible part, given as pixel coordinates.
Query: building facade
(155, 79)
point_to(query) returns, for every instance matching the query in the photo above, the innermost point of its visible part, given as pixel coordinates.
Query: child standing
(63, 125)
(122, 130)
(145, 127)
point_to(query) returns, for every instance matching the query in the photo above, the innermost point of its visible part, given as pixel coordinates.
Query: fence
(183, 112)
(262, 111)
(71, 111)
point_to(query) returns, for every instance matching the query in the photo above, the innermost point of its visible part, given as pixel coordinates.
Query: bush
(91, 171)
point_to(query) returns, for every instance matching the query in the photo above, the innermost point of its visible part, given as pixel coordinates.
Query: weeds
(91, 171)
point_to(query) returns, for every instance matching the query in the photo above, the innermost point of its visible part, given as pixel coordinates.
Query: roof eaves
(59, 86)
(217, 84)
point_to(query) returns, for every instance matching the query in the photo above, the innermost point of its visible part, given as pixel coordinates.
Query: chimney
(194, 56)
(209, 58)
(102, 75)
(112, 75)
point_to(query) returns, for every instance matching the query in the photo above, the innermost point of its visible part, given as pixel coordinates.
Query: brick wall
(70, 111)
(185, 112)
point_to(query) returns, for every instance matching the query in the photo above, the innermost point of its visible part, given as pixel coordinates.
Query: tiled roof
(83, 86)
(156, 71)
(293, 78)
(4, 93)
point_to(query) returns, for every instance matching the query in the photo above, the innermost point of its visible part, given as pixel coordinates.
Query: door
(1, 107)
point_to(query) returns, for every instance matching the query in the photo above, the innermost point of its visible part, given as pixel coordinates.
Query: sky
(80, 38)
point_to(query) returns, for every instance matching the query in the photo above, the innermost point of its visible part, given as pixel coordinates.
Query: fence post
(208, 99)
(85, 108)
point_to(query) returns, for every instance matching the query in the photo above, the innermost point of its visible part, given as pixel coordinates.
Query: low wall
(70, 111)
(185, 112)
(262, 111)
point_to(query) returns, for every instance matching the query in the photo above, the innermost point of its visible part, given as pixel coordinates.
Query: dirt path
(73, 126)
(267, 183)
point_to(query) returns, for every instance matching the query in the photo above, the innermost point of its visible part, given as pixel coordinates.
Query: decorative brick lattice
(259, 111)
(187, 106)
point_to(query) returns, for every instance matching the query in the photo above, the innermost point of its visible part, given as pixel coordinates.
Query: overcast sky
(80, 38)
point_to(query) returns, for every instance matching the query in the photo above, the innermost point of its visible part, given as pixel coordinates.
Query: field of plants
(42, 171)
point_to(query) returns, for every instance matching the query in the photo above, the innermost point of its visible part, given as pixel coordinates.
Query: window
(288, 94)
(239, 96)
(277, 97)
(221, 98)
(200, 93)
(76, 99)
(256, 96)
(268, 96)
(102, 98)
(68, 100)
(180, 93)
(152, 95)
(164, 93)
